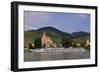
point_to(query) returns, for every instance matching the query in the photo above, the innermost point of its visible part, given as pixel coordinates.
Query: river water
(56, 54)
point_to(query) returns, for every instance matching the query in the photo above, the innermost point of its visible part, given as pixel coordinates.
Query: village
(47, 42)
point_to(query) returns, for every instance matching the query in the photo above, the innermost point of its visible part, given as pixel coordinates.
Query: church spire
(44, 33)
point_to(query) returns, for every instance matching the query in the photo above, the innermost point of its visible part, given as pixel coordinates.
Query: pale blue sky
(66, 22)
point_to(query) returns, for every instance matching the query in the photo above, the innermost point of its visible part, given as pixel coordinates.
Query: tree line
(65, 43)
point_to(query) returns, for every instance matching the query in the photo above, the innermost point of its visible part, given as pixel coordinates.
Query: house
(28, 45)
(87, 42)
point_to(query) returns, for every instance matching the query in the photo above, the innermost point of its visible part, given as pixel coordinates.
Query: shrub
(37, 43)
(66, 42)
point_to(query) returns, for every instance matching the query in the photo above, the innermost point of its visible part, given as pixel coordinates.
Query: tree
(74, 45)
(66, 42)
(30, 46)
(37, 43)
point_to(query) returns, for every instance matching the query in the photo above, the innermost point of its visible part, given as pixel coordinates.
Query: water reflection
(56, 54)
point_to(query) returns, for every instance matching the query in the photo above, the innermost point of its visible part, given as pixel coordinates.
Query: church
(47, 42)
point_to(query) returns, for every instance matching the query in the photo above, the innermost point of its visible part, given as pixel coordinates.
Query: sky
(66, 22)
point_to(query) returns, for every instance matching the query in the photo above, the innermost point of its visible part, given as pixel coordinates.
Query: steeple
(47, 41)
(44, 34)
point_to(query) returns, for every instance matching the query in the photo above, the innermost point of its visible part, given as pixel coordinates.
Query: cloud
(28, 27)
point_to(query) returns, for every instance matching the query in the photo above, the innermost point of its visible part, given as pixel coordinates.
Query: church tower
(46, 41)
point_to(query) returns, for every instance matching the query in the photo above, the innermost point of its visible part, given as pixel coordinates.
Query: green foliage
(62, 39)
(74, 45)
(37, 43)
(88, 47)
(66, 42)
(83, 44)
(30, 45)
(31, 36)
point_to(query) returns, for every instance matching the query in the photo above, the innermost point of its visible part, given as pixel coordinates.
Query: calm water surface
(56, 54)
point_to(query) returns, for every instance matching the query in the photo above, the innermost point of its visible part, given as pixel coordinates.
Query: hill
(80, 34)
(54, 33)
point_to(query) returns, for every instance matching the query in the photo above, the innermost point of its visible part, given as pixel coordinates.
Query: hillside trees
(37, 43)
(66, 42)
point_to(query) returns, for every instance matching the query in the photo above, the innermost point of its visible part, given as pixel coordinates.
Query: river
(56, 54)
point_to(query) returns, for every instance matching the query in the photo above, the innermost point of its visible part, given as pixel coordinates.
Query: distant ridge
(80, 34)
(54, 32)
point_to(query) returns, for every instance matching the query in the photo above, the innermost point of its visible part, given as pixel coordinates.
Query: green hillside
(56, 35)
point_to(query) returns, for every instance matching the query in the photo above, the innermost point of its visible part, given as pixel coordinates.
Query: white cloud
(28, 27)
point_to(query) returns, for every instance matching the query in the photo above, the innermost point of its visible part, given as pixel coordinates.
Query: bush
(66, 42)
(37, 43)
(74, 45)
